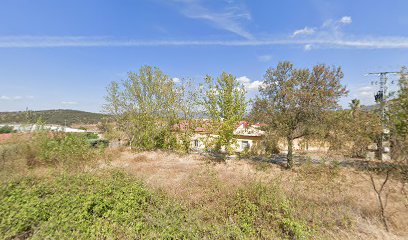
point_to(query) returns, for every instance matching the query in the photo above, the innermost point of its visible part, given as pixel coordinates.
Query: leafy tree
(293, 101)
(350, 134)
(143, 107)
(225, 103)
(399, 118)
(188, 112)
(354, 106)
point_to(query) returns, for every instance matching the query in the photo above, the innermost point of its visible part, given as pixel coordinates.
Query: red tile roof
(5, 136)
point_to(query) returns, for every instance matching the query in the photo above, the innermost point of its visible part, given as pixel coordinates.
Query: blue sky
(62, 54)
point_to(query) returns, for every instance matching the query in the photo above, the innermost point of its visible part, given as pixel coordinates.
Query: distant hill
(60, 117)
(370, 107)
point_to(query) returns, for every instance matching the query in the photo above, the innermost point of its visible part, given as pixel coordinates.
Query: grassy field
(162, 195)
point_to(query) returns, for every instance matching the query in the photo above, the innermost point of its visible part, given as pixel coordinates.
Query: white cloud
(346, 20)
(363, 92)
(321, 41)
(304, 31)
(264, 58)
(308, 47)
(176, 80)
(229, 18)
(254, 85)
(366, 88)
(69, 103)
(244, 80)
(15, 98)
(248, 84)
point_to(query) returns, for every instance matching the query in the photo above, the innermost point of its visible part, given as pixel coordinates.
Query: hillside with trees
(59, 116)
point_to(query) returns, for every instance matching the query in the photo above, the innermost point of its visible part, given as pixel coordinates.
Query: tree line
(151, 111)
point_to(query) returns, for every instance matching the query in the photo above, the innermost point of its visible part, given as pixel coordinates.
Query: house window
(196, 143)
(245, 144)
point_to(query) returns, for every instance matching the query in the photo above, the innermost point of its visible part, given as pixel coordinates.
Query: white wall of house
(200, 141)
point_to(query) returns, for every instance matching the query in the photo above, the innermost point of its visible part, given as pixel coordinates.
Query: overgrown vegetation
(64, 150)
(6, 129)
(55, 185)
(85, 206)
(112, 205)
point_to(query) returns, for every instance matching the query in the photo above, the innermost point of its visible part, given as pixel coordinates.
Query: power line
(381, 98)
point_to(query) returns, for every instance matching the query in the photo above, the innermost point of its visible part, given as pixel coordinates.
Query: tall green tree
(399, 118)
(225, 103)
(144, 108)
(293, 101)
(188, 104)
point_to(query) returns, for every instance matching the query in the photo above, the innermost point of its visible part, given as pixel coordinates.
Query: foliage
(89, 207)
(6, 129)
(188, 112)
(350, 132)
(399, 119)
(261, 205)
(91, 135)
(144, 108)
(113, 205)
(293, 101)
(60, 149)
(355, 106)
(225, 103)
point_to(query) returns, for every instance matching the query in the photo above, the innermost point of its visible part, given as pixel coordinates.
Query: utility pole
(381, 97)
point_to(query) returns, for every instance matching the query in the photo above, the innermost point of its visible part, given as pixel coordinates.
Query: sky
(62, 54)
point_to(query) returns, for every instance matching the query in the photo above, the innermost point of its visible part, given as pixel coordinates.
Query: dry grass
(340, 202)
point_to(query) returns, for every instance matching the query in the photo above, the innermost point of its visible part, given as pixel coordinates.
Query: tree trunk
(290, 153)
(131, 143)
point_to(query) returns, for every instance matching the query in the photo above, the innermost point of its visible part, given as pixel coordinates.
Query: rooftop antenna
(381, 98)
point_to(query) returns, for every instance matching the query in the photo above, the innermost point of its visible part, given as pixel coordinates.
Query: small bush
(258, 206)
(6, 129)
(63, 149)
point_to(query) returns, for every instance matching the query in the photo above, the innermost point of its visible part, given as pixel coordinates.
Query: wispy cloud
(69, 103)
(363, 92)
(176, 80)
(304, 31)
(308, 47)
(264, 58)
(231, 17)
(346, 20)
(330, 30)
(15, 98)
(326, 42)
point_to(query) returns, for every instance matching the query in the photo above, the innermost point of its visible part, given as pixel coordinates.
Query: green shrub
(6, 129)
(63, 149)
(91, 135)
(262, 207)
(90, 207)
(11, 152)
(115, 206)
